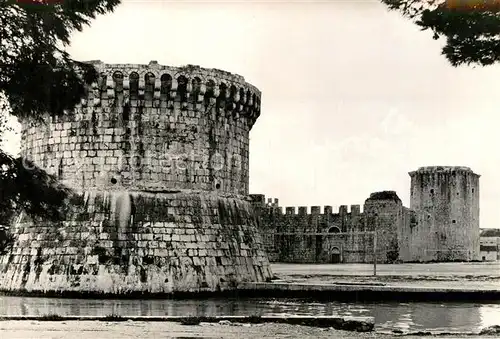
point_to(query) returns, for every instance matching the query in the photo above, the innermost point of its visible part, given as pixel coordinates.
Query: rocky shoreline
(356, 324)
(222, 329)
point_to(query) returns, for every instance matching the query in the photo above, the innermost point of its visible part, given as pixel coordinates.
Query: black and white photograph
(249, 169)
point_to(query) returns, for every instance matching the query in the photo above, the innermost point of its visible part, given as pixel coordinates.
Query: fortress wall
(123, 243)
(266, 216)
(357, 248)
(408, 223)
(384, 215)
(381, 213)
(442, 224)
(303, 248)
(294, 248)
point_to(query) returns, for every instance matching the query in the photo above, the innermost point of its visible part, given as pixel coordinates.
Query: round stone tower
(446, 205)
(158, 159)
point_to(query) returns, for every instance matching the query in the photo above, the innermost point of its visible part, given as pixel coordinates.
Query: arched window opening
(334, 229)
(134, 85)
(101, 82)
(221, 99)
(182, 88)
(118, 77)
(210, 92)
(232, 96)
(232, 92)
(166, 86)
(149, 80)
(254, 100)
(242, 96)
(118, 84)
(196, 83)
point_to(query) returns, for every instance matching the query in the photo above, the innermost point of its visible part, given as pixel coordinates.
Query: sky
(353, 96)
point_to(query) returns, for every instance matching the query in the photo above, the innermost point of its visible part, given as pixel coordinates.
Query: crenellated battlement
(315, 210)
(190, 87)
(272, 204)
(430, 170)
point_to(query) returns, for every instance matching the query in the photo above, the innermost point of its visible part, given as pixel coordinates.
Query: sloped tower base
(123, 243)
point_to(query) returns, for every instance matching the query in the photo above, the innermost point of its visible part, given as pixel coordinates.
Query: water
(418, 316)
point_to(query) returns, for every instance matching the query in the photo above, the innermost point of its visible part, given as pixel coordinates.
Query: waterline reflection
(388, 316)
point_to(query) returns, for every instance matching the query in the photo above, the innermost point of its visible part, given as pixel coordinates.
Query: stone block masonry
(328, 237)
(122, 242)
(447, 201)
(442, 224)
(152, 127)
(157, 157)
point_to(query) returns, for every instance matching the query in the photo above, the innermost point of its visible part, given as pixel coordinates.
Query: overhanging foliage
(37, 77)
(471, 27)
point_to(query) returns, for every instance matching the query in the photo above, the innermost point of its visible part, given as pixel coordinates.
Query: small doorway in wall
(335, 255)
(484, 258)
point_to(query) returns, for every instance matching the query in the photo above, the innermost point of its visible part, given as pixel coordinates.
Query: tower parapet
(152, 127)
(442, 169)
(190, 86)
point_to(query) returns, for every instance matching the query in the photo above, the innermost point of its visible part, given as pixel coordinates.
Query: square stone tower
(446, 202)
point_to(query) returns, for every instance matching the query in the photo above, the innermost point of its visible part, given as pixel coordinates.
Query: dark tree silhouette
(471, 27)
(37, 77)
